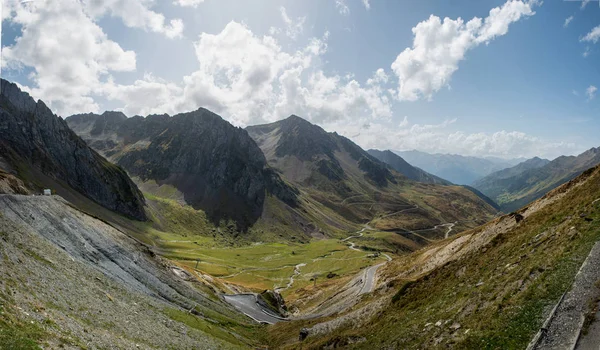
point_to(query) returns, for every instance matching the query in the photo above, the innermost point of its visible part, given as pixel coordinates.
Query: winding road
(247, 303)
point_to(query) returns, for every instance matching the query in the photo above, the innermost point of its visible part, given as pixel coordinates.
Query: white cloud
(584, 3)
(189, 3)
(134, 14)
(439, 45)
(367, 4)
(568, 21)
(590, 92)
(342, 7)
(293, 28)
(250, 79)
(438, 138)
(593, 35)
(70, 54)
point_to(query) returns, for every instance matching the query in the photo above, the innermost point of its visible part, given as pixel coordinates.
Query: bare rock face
(35, 141)
(216, 166)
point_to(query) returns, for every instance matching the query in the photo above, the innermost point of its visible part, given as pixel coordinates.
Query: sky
(487, 78)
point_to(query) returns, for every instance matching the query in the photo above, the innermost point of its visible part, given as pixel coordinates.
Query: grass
(16, 333)
(269, 265)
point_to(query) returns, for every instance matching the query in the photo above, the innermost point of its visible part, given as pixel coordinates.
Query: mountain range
(214, 166)
(514, 187)
(185, 231)
(462, 170)
(289, 172)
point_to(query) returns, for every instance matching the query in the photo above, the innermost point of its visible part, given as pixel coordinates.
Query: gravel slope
(88, 285)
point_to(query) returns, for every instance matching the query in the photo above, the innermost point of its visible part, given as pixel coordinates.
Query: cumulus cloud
(590, 92)
(438, 138)
(342, 7)
(293, 28)
(593, 35)
(568, 21)
(439, 45)
(188, 3)
(250, 79)
(69, 53)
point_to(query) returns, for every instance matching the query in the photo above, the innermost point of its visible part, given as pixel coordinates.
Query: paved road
(247, 304)
(369, 279)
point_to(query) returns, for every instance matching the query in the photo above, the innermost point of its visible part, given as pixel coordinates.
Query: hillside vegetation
(486, 288)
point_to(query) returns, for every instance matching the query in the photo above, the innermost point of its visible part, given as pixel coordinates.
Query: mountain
(213, 165)
(402, 166)
(414, 173)
(492, 287)
(336, 173)
(38, 150)
(495, 183)
(458, 169)
(514, 187)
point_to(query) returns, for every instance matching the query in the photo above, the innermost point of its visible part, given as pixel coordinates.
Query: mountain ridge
(514, 187)
(215, 166)
(40, 149)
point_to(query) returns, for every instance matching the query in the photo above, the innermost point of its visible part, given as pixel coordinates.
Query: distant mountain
(38, 150)
(514, 187)
(414, 173)
(336, 173)
(215, 166)
(401, 166)
(495, 183)
(458, 169)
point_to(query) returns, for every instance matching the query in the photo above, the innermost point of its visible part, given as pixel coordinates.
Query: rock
(518, 217)
(303, 334)
(479, 284)
(438, 323)
(217, 167)
(33, 138)
(455, 326)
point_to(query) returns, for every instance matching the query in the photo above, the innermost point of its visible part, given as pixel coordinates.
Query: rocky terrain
(68, 280)
(514, 187)
(215, 166)
(39, 149)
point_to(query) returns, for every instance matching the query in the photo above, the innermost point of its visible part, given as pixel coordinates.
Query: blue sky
(523, 85)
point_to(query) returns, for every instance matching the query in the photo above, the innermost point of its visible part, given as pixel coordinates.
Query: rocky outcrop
(35, 141)
(217, 167)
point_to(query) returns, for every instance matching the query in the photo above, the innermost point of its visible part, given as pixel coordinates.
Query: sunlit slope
(515, 187)
(333, 171)
(490, 287)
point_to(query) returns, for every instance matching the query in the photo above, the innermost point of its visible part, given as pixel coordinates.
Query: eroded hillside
(70, 280)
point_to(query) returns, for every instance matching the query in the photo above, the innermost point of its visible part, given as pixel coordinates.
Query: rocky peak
(35, 141)
(217, 167)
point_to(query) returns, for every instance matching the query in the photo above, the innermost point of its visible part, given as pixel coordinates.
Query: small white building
(47, 192)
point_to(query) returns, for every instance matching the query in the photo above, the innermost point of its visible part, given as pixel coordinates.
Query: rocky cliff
(217, 167)
(38, 146)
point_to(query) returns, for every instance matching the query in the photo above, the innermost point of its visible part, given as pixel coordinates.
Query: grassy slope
(496, 297)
